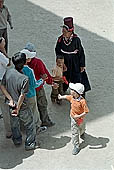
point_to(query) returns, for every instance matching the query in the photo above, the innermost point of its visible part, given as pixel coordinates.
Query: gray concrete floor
(39, 22)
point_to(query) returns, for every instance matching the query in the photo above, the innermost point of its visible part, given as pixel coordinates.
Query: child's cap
(78, 87)
(31, 47)
(28, 53)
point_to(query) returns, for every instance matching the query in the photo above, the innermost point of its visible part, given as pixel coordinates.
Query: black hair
(19, 59)
(59, 57)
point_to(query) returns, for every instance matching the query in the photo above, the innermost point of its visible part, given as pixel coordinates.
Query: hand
(75, 51)
(76, 117)
(59, 96)
(82, 69)
(11, 103)
(64, 68)
(44, 77)
(55, 85)
(15, 112)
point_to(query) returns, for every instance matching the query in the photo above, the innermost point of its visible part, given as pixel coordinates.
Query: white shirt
(3, 64)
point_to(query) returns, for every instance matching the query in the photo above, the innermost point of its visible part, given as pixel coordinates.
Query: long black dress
(74, 58)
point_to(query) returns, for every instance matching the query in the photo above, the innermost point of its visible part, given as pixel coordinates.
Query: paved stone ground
(39, 22)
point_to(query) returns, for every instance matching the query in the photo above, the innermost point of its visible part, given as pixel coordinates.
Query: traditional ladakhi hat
(68, 23)
(78, 87)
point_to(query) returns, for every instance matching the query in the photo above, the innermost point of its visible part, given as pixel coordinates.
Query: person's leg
(6, 115)
(60, 91)
(82, 128)
(33, 106)
(15, 126)
(42, 107)
(54, 95)
(75, 136)
(27, 117)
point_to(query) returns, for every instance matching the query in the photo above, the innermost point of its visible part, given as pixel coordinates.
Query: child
(41, 71)
(78, 111)
(33, 83)
(57, 74)
(17, 85)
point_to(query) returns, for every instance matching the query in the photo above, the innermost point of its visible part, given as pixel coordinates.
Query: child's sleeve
(39, 83)
(25, 86)
(69, 98)
(85, 107)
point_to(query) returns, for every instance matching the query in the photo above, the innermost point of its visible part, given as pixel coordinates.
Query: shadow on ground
(34, 24)
(94, 142)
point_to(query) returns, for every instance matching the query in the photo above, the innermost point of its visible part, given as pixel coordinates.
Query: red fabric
(39, 69)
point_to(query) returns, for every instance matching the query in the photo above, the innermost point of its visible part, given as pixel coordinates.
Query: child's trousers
(33, 106)
(76, 132)
(26, 117)
(55, 92)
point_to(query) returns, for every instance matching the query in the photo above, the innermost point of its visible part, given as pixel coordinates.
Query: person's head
(60, 61)
(1, 3)
(31, 47)
(76, 89)
(29, 55)
(19, 59)
(2, 43)
(68, 28)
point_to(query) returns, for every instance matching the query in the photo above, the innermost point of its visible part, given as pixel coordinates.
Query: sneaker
(48, 124)
(82, 136)
(75, 151)
(8, 136)
(17, 142)
(32, 146)
(42, 129)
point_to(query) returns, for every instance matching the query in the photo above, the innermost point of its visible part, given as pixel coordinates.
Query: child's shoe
(76, 150)
(82, 136)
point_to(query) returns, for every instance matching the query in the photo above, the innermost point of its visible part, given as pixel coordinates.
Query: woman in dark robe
(69, 45)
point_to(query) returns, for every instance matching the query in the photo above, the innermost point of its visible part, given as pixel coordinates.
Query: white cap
(28, 53)
(78, 87)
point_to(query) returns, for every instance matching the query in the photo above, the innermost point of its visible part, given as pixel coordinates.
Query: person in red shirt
(78, 111)
(41, 71)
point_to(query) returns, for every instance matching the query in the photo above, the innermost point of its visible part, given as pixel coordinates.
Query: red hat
(68, 23)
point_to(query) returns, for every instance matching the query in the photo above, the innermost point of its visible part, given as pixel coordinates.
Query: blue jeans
(27, 118)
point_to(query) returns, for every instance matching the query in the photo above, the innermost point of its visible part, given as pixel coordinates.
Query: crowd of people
(22, 95)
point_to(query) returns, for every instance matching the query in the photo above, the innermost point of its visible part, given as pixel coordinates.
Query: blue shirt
(33, 83)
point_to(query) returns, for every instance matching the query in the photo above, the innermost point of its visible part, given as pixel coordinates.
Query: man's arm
(9, 19)
(79, 116)
(24, 91)
(7, 95)
(19, 103)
